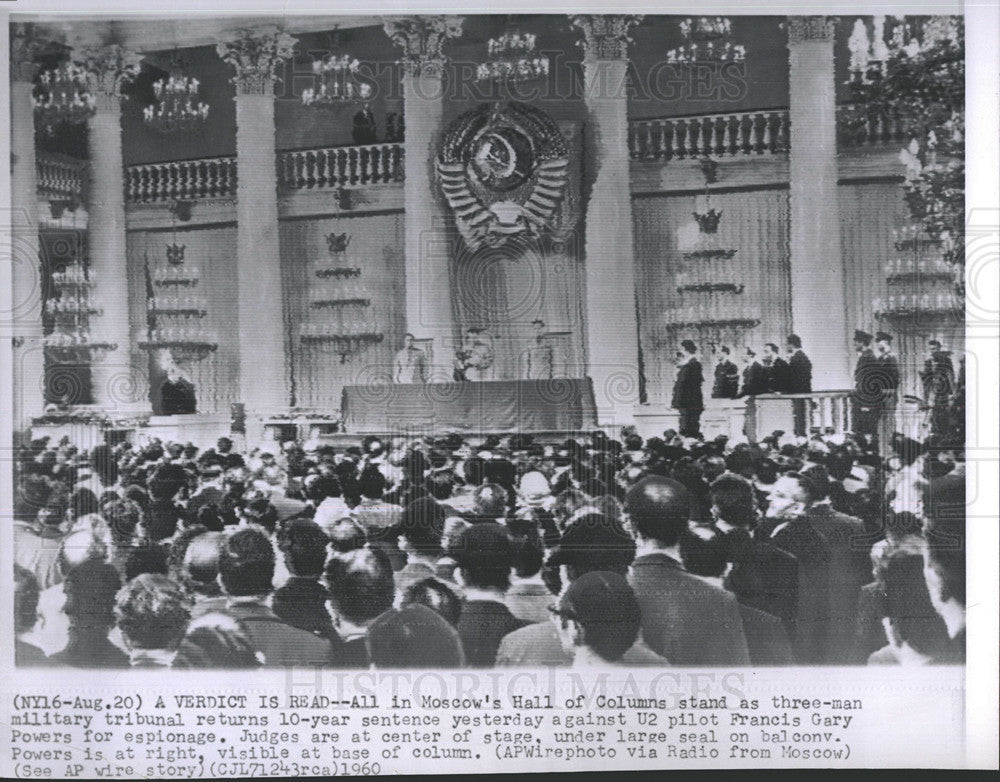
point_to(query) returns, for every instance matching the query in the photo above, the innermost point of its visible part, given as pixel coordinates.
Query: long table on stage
(488, 406)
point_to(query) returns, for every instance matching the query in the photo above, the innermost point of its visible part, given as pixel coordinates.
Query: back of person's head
(304, 545)
(423, 526)
(261, 512)
(217, 640)
(740, 462)
(733, 500)
(703, 551)
(201, 563)
(944, 532)
(347, 535)
(102, 462)
(319, 487)
(659, 509)
(474, 471)
(26, 594)
(361, 584)
(485, 555)
(815, 480)
(413, 637)
(440, 484)
(371, 482)
(90, 590)
(529, 551)
(152, 611)
(567, 503)
(146, 559)
(122, 517)
(604, 607)
(246, 563)
(437, 596)
(490, 501)
(83, 502)
(593, 542)
(501, 471)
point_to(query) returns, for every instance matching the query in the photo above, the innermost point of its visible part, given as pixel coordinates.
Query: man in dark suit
(887, 366)
(799, 382)
(866, 397)
(776, 371)
(90, 590)
(152, 612)
(246, 570)
(361, 588)
(301, 601)
(364, 130)
(727, 377)
(938, 379)
(687, 398)
(684, 619)
(485, 557)
(177, 395)
(754, 381)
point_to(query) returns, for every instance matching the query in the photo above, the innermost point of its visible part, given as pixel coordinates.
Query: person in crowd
(90, 590)
(528, 597)
(26, 594)
(361, 588)
(410, 365)
(37, 545)
(217, 640)
(703, 553)
(754, 377)
(727, 377)
(246, 573)
(421, 539)
(687, 397)
(200, 573)
(413, 636)
(436, 594)
(776, 370)
(301, 601)
(153, 612)
(485, 557)
(684, 619)
(598, 619)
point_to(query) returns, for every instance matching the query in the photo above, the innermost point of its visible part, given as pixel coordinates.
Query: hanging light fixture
(512, 57)
(336, 79)
(177, 108)
(62, 95)
(707, 39)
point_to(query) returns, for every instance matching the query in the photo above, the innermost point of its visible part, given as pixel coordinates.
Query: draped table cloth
(487, 407)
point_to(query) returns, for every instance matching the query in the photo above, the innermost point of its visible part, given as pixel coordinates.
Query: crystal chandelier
(870, 55)
(63, 96)
(512, 57)
(338, 82)
(706, 40)
(178, 108)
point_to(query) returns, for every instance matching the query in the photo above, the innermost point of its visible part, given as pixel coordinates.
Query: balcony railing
(315, 169)
(59, 177)
(181, 180)
(857, 127)
(717, 135)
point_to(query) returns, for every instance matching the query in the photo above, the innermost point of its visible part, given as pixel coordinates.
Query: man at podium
(410, 365)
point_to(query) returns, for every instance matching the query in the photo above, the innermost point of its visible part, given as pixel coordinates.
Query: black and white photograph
(586, 342)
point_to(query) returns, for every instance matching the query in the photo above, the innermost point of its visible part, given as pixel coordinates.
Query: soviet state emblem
(503, 171)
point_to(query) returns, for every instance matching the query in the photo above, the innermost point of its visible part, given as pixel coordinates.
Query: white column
(611, 319)
(119, 377)
(819, 309)
(25, 318)
(264, 366)
(428, 241)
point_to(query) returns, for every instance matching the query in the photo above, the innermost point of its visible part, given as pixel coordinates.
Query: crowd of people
(446, 552)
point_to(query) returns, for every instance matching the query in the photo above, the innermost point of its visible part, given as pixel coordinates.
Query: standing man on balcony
(799, 382)
(888, 376)
(687, 398)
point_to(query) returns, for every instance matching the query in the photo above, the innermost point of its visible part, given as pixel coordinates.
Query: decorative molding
(110, 67)
(256, 54)
(422, 40)
(810, 28)
(605, 36)
(25, 45)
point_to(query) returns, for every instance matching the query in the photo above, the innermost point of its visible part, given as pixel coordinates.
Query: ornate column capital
(810, 28)
(256, 54)
(109, 68)
(25, 45)
(605, 36)
(422, 40)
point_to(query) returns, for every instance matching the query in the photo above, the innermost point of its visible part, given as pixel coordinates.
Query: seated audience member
(414, 636)
(684, 619)
(90, 590)
(25, 618)
(301, 600)
(598, 619)
(534, 490)
(485, 556)
(421, 540)
(436, 595)
(703, 552)
(360, 584)
(528, 597)
(373, 512)
(146, 559)
(153, 612)
(215, 640)
(489, 504)
(201, 573)
(246, 572)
